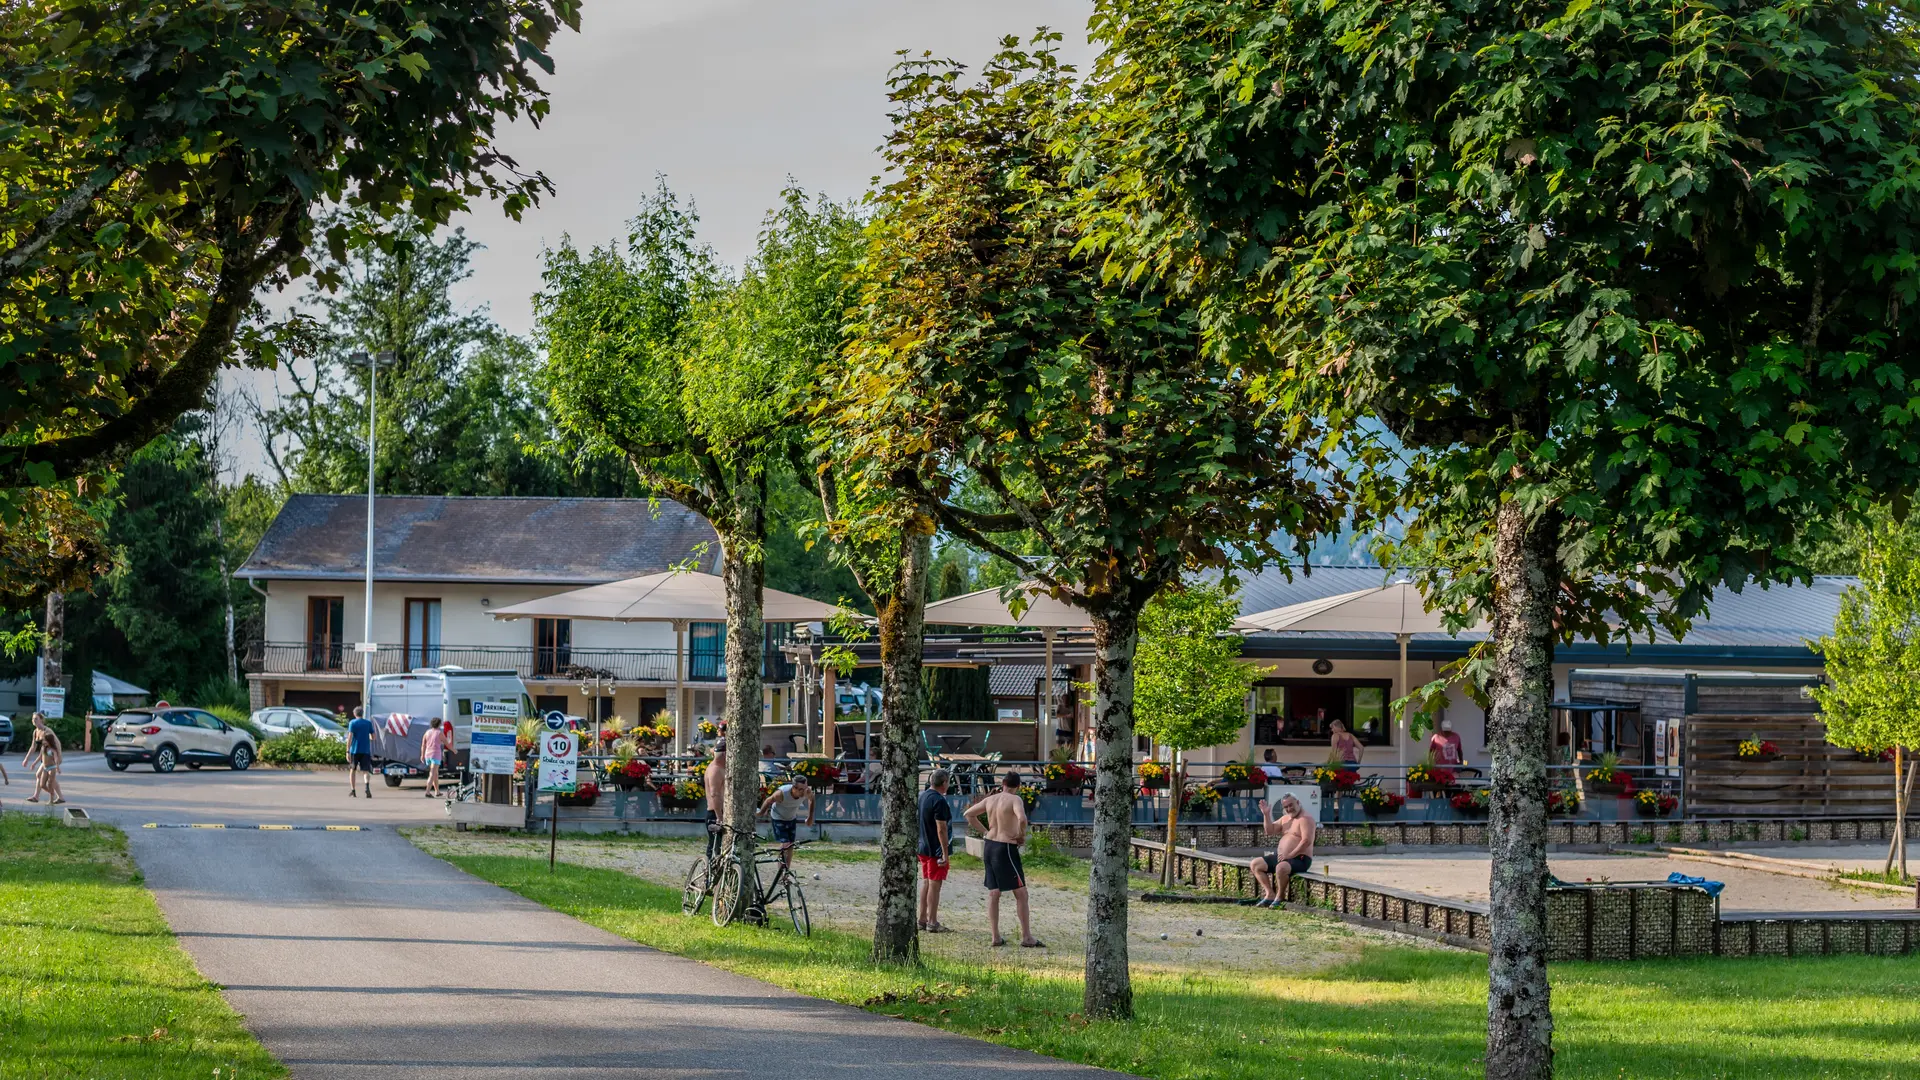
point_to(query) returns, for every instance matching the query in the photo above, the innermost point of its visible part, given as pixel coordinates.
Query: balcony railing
(626, 665)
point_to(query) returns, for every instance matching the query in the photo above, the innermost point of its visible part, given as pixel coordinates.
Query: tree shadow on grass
(1395, 1012)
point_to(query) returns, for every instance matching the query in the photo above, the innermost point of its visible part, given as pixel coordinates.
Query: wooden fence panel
(1811, 778)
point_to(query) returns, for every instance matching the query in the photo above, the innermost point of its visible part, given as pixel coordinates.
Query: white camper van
(424, 693)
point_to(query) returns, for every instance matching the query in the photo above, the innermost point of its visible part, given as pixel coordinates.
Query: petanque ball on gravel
(1163, 937)
(816, 877)
(1200, 933)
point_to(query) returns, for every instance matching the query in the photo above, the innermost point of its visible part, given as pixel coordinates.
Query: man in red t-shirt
(936, 837)
(1444, 745)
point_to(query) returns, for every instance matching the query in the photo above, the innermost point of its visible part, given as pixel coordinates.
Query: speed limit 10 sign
(559, 761)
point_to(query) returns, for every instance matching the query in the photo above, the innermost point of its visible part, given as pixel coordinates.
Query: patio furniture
(799, 744)
(955, 743)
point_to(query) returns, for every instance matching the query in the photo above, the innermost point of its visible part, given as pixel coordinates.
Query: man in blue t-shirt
(936, 843)
(360, 750)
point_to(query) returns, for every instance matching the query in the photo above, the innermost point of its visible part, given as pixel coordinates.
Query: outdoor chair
(799, 743)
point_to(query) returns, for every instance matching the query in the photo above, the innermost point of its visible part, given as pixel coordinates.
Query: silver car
(168, 737)
(286, 719)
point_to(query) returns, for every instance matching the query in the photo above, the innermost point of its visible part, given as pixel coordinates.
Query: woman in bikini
(46, 776)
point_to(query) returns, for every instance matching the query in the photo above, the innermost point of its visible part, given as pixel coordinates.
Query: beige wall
(1468, 719)
(463, 615)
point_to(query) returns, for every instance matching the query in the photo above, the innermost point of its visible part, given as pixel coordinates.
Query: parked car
(6, 732)
(168, 737)
(287, 719)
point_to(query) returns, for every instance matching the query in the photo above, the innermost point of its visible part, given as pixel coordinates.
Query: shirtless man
(1292, 855)
(716, 785)
(1002, 819)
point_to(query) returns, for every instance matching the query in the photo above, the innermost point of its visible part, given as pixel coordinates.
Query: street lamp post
(367, 645)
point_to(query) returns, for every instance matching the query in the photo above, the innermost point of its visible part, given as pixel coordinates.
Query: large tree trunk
(1109, 990)
(896, 932)
(1519, 1012)
(743, 574)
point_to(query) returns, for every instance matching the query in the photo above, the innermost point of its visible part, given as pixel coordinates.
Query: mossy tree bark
(896, 930)
(1519, 1009)
(1109, 986)
(743, 574)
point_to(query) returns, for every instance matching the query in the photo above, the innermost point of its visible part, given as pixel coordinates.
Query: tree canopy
(1632, 290)
(1190, 688)
(988, 350)
(164, 161)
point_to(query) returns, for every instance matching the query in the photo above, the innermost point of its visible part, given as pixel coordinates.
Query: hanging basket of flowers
(1332, 778)
(1378, 802)
(819, 771)
(682, 795)
(1426, 778)
(1562, 804)
(1029, 795)
(1064, 777)
(1758, 749)
(1239, 776)
(1199, 801)
(1473, 803)
(631, 774)
(585, 793)
(1153, 776)
(1608, 778)
(1654, 804)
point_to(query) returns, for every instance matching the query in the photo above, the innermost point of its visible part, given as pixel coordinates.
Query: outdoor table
(954, 743)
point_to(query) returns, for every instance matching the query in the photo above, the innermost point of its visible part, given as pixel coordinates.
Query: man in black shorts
(1001, 818)
(1292, 855)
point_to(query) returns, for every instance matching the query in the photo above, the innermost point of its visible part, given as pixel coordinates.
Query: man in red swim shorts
(936, 837)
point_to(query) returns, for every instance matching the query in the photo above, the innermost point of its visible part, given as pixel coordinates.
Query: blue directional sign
(555, 720)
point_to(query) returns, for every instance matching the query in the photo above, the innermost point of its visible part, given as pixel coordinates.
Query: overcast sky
(725, 98)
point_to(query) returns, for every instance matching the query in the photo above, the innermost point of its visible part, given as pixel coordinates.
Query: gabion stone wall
(1361, 835)
(1625, 921)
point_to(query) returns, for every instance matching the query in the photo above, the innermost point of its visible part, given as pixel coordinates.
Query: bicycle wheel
(694, 892)
(797, 909)
(728, 894)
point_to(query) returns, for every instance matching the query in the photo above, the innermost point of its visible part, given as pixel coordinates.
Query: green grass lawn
(91, 982)
(1396, 1013)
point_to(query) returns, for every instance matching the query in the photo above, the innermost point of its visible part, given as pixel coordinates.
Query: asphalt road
(354, 955)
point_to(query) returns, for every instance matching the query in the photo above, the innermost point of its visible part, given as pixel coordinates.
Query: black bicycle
(706, 870)
(738, 892)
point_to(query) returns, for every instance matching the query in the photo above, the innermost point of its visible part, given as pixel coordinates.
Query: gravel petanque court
(1463, 876)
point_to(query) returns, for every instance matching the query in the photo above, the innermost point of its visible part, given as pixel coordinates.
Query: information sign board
(491, 744)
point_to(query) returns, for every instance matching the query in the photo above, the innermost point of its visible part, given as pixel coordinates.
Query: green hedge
(238, 718)
(303, 748)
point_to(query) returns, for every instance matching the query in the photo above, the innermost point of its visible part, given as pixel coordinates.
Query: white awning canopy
(985, 608)
(1397, 609)
(671, 596)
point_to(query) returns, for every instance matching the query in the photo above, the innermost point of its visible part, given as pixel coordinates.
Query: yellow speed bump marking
(275, 828)
(198, 825)
(343, 828)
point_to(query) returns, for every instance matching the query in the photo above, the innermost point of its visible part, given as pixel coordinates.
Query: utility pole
(367, 646)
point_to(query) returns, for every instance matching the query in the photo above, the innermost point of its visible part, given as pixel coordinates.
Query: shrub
(237, 718)
(304, 748)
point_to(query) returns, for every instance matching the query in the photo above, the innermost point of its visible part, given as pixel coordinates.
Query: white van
(424, 693)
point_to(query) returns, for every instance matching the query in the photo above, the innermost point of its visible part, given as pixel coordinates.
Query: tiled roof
(1021, 680)
(496, 540)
